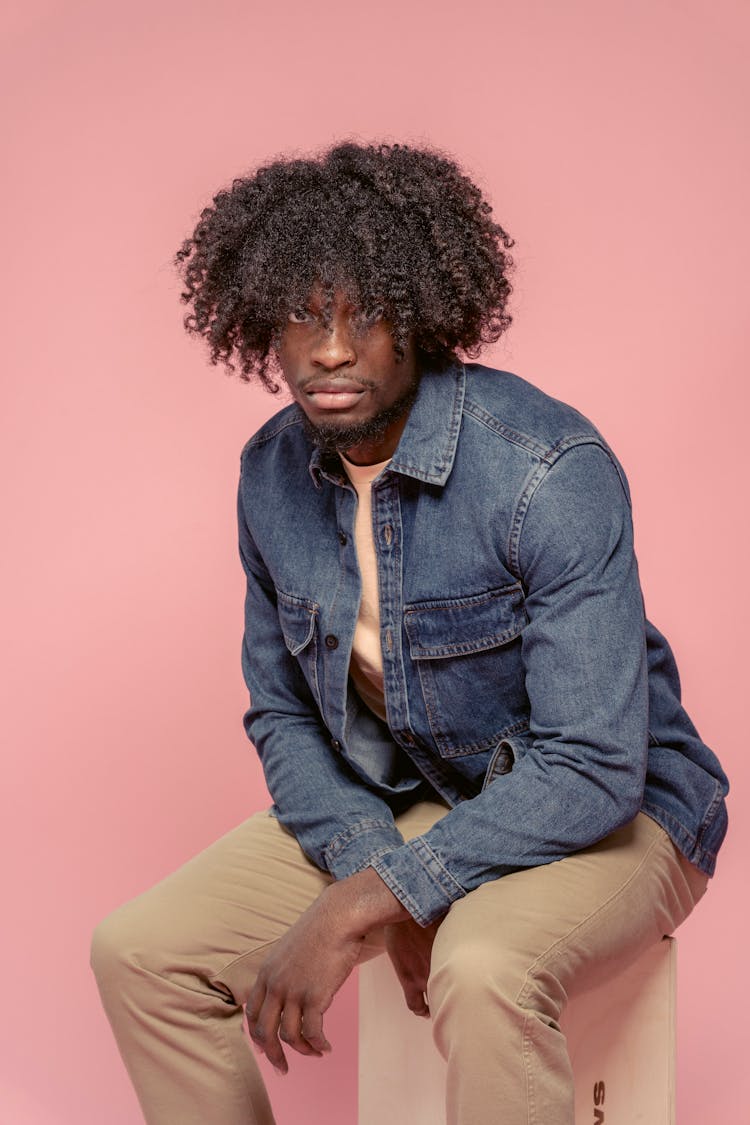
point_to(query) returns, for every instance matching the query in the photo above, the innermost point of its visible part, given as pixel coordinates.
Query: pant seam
(141, 969)
(240, 957)
(588, 920)
(206, 1016)
(526, 1052)
(528, 1049)
(229, 1053)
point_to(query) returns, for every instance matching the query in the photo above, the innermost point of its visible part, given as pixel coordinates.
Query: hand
(305, 969)
(409, 947)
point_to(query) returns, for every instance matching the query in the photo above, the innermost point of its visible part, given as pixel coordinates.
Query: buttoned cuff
(418, 879)
(354, 848)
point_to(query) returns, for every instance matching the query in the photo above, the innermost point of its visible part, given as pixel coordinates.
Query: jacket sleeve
(580, 774)
(340, 824)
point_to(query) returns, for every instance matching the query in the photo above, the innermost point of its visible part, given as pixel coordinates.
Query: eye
(300, 316)
(372, 315)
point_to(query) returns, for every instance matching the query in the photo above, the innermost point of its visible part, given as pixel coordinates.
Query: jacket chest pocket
(467, 652)
(298, 618)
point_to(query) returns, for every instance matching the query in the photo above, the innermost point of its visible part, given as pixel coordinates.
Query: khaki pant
(176, 964)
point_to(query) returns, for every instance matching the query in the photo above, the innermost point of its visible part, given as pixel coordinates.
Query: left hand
(409, 947)
(306, 967)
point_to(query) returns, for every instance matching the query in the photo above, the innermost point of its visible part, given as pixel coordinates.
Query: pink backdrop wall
(613, 140)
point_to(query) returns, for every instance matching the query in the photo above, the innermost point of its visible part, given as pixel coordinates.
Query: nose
(334, 347)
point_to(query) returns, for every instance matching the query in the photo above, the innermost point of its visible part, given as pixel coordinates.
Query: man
(472, 736)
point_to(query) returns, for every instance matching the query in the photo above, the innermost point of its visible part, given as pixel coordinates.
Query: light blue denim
(523, 683)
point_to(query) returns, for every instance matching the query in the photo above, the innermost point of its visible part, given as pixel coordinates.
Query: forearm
(363, 902)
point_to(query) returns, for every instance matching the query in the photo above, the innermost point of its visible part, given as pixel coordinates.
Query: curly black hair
(394, 226)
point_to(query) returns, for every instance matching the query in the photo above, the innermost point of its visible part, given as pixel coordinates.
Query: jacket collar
(427, 447)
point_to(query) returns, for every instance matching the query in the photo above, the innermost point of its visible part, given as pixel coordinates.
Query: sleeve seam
(538, 477)
(341, 841)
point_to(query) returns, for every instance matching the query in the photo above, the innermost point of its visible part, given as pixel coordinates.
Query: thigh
(565, 925)
(224, 906)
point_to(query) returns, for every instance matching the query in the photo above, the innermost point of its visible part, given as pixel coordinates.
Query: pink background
(612, 138)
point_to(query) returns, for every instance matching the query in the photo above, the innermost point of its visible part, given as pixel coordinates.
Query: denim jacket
(523, 683)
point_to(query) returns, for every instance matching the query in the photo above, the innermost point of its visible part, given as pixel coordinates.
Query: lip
(333, 386)
(334, 394)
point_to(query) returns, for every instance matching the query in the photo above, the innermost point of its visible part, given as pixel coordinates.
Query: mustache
(360, 380)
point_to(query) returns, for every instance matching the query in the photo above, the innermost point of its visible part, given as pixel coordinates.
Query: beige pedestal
(621, 1038)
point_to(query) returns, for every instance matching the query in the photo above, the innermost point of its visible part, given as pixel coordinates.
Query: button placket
(340, 610)
(387, 527)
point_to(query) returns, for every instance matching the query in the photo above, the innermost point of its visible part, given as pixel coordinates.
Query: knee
(482, 973)
(106, 947)
(118, 946)
(468, 969)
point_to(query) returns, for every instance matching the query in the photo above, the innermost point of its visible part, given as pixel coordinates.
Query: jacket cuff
(418, 879)
(354, 849)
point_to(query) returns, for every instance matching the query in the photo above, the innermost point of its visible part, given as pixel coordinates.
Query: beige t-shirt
(366, 665)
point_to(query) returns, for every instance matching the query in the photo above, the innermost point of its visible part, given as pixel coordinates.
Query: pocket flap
(297, 617)
(458, 626)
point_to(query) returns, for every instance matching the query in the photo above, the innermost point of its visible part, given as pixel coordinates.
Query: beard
(330, 437)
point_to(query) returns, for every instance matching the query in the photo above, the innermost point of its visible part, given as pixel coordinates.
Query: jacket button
(343, 538)
(336, 745)
(331, 641)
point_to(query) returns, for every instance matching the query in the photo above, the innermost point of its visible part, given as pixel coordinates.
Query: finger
(255, 1002)
(312, 1028)
(264, 1033)
(290, 1031)
(415, 1000)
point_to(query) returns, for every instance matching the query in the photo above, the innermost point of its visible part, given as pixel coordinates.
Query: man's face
(347, 379)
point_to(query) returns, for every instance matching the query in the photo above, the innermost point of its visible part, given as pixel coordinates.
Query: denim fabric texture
(523, 683)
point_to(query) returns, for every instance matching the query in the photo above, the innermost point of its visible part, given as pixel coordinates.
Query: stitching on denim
(678, 830)
(515, 437)
(263, 438)
(442, 877)
(445, 745)
(468, 601)
(443, 464)
(709, 816)
(352, 832)
(402, 893)
(532, 482)
(484, 643)
(325, 664)
(538, 476)
(690, 846)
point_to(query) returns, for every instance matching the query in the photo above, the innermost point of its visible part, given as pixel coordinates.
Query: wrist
(365, 901)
